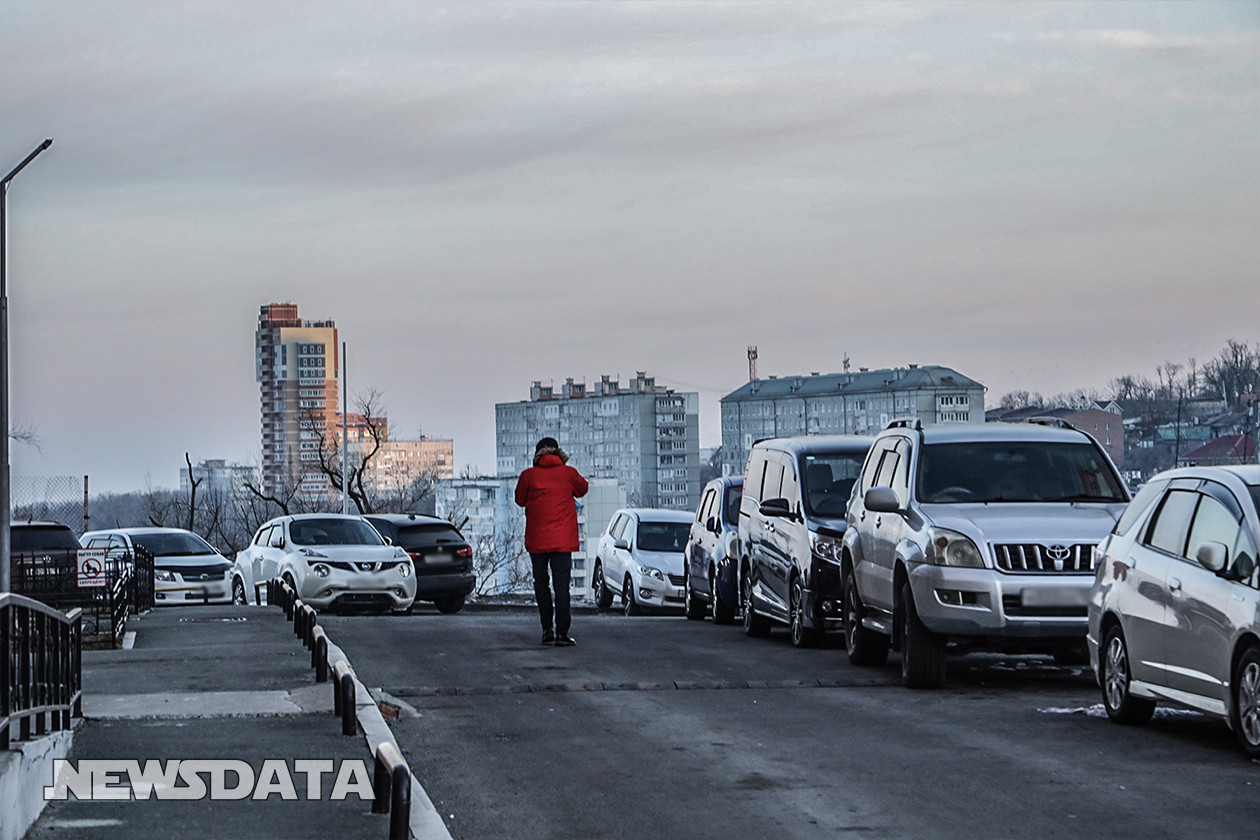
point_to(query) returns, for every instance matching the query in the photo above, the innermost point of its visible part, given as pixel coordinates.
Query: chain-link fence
(57, 498)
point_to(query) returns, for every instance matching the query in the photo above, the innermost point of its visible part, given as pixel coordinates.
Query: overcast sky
(1043, 196)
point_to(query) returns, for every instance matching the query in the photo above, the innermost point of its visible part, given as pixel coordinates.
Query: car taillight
(464, 551)
(415, 556)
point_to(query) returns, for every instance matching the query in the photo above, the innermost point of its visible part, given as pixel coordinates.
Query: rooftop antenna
(846, 362)
(752, 362)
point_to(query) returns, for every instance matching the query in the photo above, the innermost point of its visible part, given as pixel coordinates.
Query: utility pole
(6, 496)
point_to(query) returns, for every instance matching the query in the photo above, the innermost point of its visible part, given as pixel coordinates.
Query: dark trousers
(560, 564)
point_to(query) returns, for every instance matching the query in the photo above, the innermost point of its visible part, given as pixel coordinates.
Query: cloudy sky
(1041, 195)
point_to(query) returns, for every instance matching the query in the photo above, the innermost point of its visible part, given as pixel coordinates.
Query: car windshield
(172, 545)
(333, 532)
(733, 496)
(829, 480)
(42, 538)
(1016, 472)
(663, 536)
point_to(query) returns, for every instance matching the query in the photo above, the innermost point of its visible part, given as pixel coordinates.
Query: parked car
(333, 562)
(640, 557)
(711, 558)
(442, 558)
(791, 520)
(34, 537)
(975, 536)
(1174, 615)
(186, 568)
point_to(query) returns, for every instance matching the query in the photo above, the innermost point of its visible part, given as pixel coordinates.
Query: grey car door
(1199, 628)
(1144, 597)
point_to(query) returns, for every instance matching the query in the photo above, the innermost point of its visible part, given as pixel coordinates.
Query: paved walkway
(231, 686)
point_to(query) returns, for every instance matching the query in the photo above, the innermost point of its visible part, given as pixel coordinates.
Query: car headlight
(648, 571)
(319, 570)
(950, 548)
(163, 574)
(310, 552)
(404, 569)
(825, 547)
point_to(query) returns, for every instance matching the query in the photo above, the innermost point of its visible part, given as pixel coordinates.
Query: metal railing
(52, 577)
(41, 668)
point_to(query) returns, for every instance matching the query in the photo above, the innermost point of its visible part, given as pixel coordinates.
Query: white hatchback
(333, 562)
(640, 557)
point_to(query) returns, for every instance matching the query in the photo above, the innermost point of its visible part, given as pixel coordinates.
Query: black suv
(35, 537)
(442, 557)
(791, 522)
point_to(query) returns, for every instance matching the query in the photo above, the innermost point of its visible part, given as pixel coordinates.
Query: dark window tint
(172, 545)
(1172, 521)
(1016, 472)
(333, 532)
(437, 533)
(829, 481)
(733, 497)
(1144, 499)
(42, 538)
(663, 536)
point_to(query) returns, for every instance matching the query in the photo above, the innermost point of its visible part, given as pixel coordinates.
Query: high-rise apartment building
(296, 364)
(858, 403)
(645, 435)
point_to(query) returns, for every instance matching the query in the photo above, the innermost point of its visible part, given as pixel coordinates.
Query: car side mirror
(882, 500)
(624, 545)
(1212, 556)
(775, 507)
(711, 525)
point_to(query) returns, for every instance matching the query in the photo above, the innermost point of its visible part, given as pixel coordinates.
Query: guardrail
(41, 667)
(52, 578)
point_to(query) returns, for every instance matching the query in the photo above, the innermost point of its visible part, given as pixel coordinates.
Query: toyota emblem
(1058, 553)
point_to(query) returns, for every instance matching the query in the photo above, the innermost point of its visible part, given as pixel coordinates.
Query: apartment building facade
(646, 436)
(860, 403)
(296, 365)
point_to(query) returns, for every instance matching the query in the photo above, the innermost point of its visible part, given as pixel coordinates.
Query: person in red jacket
(548, 491)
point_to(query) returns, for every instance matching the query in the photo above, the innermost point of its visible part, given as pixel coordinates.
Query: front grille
(1035, 558)
(677, 580)
(199, 572)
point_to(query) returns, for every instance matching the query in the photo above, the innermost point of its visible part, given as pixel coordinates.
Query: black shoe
(565, 640)
(549, 638)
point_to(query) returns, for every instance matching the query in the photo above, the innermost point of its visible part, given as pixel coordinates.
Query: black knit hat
(547, 443)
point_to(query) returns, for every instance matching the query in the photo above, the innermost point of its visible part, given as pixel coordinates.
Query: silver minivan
(1175, 611)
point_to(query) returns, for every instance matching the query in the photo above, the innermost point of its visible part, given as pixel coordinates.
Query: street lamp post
(6, 498)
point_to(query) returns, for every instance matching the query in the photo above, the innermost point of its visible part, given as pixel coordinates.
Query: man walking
(548, 491)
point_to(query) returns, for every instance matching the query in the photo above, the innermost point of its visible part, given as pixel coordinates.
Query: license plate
(1055, 596)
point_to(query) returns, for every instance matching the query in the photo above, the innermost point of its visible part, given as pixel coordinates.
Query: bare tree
(1235, 372)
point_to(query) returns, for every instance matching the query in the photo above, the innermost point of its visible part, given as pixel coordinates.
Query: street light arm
(22, 165)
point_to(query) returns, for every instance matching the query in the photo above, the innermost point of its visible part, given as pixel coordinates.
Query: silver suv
(975, 536)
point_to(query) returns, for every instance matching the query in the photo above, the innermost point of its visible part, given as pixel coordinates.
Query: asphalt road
(658, 727)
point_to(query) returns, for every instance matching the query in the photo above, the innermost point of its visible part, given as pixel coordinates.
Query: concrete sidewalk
(215, 683)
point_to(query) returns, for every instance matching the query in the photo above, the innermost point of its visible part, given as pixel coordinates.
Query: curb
(424, 821)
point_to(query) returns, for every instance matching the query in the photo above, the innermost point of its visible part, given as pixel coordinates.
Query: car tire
(694, 609)
(757, 626)
(864, 645)
(628, 603)
(238, 592)
(450, 604)
(922, 651)
(1244, 710)
(802, 636)
(603, 595)
(1114, 672)
(722, 612)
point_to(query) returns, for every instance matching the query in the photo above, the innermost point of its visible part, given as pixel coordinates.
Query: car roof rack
(906, 423)
(1056, 422)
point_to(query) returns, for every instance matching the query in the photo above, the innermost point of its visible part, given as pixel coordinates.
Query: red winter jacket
(547, 491)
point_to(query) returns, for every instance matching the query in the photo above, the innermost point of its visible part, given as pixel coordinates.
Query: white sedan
(640, 557)
(333, 562)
